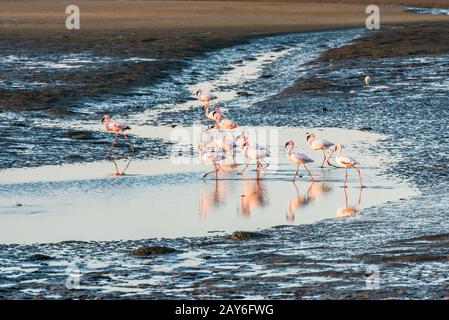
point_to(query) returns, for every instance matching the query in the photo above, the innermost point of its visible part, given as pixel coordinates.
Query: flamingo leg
(214, 171)
(296, 173)
(310, 173)
(240, 173)
(116, 168)
(329, 158)
(346, 176)
(126, 138)
(126, 167)
(360, 176)
(114, 141)
(266, 164)
(324, 159)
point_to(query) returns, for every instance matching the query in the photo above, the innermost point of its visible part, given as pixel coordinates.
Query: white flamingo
(205, 96)
(117, 128)
(346, 162)
(252, 153)
(210, 158)
(320, 144)
(298, 158)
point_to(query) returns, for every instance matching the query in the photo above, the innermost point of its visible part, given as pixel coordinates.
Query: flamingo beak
(287, 144)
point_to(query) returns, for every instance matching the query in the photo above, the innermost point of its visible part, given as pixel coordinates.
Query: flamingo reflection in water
(212, 198)
(117, 172)
(254, 195)
(347, 210)
(314, 190)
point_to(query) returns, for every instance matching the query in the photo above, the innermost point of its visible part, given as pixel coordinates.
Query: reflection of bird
(347, 162)
(117, 172)
(205, 97)
(117, 128)
(296, 203)
(319, 144)
(318, 188)
(252, 153)
(211, 198)
(298, 158)
(210, 158)
(366, 79)
(347, 211)
(253, 195)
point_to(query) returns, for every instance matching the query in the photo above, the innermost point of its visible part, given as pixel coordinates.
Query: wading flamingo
(212, 115)
(117, 128)
(298, 158)
(244, 136)
(319, 144)
(252, 153)
(205, 97)
(222, 142)
(347, 162)
(366, 79)
(210, 158)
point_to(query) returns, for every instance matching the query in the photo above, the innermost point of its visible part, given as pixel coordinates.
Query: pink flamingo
(347, 162)
(210, 158)
(117, 128)
(205, 97)
(298, 158)
(212, 115)
(252, 153)
(319, 144)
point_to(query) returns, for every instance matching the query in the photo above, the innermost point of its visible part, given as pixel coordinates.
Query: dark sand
(169, 31)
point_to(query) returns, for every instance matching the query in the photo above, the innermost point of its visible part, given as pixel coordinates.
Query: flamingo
(212, 115)
(366, 79)
(224, 143)
(205, 97)
(245, 136)
(298, 158)
(252, 153)
(319, 144)
(210, 158)
(117, 128)
(347, 162)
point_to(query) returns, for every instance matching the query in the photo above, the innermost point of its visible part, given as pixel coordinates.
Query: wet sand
(167, 31)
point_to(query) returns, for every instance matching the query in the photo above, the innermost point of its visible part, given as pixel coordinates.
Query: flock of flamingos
(228, 144)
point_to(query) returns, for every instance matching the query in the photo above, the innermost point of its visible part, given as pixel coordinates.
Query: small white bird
(298, 158)
(320, 144)
(346, 162)
(205, 97)
(252, 153)
(117, 128)
(210, 158)
(366, 80)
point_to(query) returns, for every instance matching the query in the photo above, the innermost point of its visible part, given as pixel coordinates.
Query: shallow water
(83, 202)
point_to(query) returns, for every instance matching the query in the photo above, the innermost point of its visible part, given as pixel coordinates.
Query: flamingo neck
(291, 149)
(338, 152)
